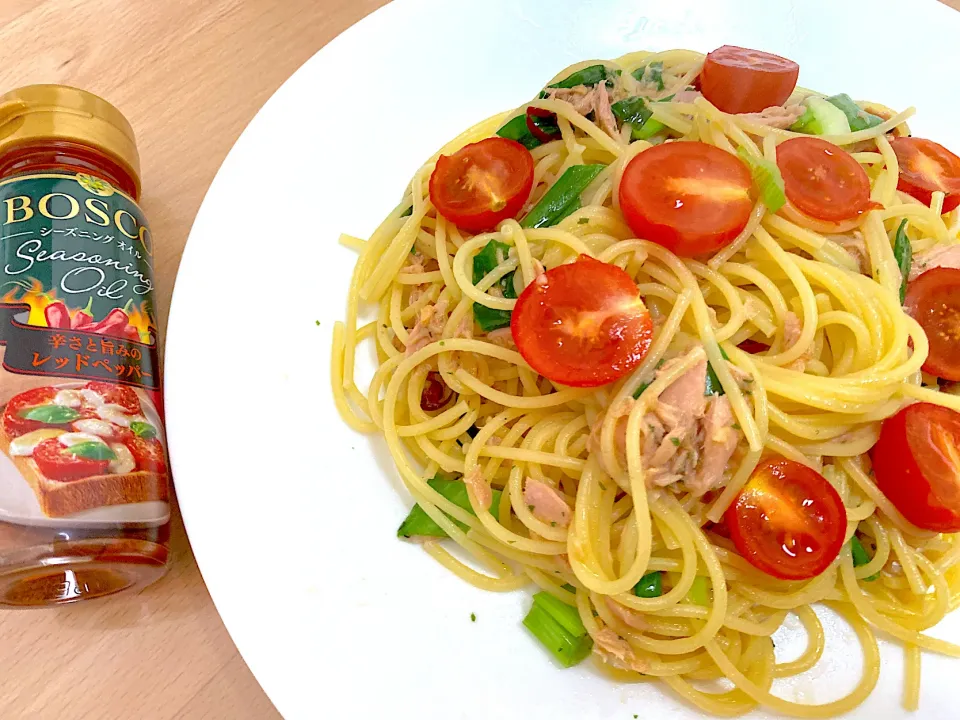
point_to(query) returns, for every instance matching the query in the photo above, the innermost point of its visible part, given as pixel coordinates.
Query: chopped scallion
(699, 593)
(567, 647)
(563, 197)
(516, 129)
(650, 585)
(567, 615)
(903, 253)
(419, 524)
(857, 117)
(588, 76)
(767, 179)
(652, 73)
(860, 556)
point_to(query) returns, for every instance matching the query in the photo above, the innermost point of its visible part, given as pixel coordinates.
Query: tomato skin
(121, 395)
(788, 521)
(13, 424)
(482, 183)
(582, 324)
(822, 180)
(435, 394)
(927, 167)
(913, 469)
(58, 463)
(740, 80)
(690, 197)
(933, 300)
(149, 454)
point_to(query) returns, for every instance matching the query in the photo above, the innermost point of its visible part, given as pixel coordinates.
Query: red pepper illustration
(57, 315)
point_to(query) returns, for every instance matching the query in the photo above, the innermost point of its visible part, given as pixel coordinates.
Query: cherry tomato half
(739, 80)
(690, 197)
(482, 183)
(582, 324)
(823, 180)
(925, 168)
(788, 520)
(121, 395)
(58, 463)
(916, 463)
(13, 424)
(933, 300)
(148, 453)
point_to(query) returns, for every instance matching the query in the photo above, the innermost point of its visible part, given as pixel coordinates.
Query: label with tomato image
(81, 429)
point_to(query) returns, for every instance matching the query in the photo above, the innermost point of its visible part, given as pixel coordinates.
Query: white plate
(292, 516)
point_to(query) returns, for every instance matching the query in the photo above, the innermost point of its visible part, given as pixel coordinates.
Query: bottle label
(81, 430)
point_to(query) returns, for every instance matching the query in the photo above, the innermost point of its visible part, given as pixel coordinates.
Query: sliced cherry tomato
(58, 463)
(739, 80)
(482, 183)
(925, 168)
(933, 300)
(13, 424)
(121, 395)
(149, 454)
(822, 180)
(753, 346)
(435, 394)
(916, 463)
(788, 520)
(582, 324)
(690, 197)
(542, 124)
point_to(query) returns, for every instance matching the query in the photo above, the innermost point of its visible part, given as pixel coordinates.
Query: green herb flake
(903, 253)
(473, 617)
(675, 441)
(583, 221)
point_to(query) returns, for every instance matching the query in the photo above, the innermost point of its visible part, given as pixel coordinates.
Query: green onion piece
(652, 73)
(903, 252)
(646, 131)
(639, 391)
(635, 112)
(650, 585)
(419, 524)
(408, 212)
(857, 117)
(767, 179)
(567, 615)
(588, 76)
(484, 262)
(565, 193)
(487, 260)
(821, 118)
(490, 319)
(712, 384)
(565, 647)
(860, 556)
(699, 592)
(631, 110)
(516, 129)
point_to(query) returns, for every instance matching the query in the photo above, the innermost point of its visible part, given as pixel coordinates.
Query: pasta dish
(676, 346)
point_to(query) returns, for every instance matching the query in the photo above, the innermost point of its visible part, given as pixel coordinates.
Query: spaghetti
(799, 322)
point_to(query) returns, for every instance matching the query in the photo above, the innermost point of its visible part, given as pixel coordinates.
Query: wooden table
(189, 74)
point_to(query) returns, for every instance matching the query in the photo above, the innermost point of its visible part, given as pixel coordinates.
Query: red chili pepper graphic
(57, 315)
